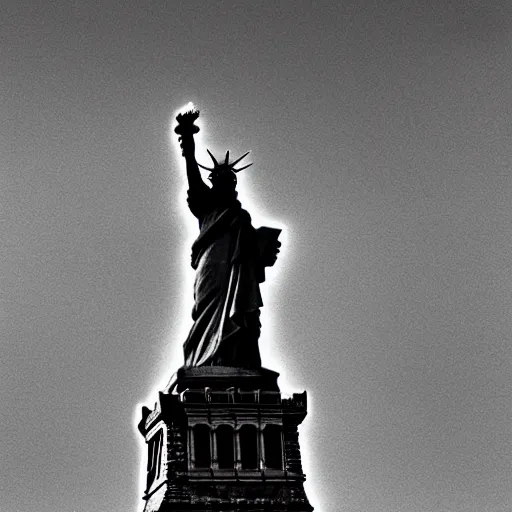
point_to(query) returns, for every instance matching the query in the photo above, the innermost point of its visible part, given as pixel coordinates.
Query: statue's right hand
(187, 145)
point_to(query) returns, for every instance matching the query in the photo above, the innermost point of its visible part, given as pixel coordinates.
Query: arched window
(154, 457)
(272, 441)
(225, 447)
(202, 448)
(249, 447)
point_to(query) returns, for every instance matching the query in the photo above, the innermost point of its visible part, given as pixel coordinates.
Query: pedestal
(224, 439)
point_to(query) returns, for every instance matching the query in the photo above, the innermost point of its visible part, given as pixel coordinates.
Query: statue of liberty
(229, 257)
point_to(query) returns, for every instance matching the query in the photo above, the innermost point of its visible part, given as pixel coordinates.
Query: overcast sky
(380, 134)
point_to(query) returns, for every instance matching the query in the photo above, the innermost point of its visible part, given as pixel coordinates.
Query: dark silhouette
(229, 257)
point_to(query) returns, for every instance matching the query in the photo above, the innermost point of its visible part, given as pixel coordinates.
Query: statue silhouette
(229, 257)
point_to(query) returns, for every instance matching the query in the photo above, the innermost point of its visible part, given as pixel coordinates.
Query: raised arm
(195, 181)
(186, 130)
(198, 192)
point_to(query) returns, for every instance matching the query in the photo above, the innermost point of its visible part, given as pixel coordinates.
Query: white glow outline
(141, 442)
(180, 332)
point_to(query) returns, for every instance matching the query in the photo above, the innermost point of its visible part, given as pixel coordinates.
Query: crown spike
(242, 168)
(236, 161)
(225, 166)
(215, 163)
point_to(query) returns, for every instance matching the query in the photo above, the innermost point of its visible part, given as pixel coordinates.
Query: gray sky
(380, 133)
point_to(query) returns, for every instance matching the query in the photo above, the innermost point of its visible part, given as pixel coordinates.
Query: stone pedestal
(224, 439)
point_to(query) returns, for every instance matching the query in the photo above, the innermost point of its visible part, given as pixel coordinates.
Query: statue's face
(224, 181)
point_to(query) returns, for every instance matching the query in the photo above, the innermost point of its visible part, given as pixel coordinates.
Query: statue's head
(223, 175)
(225, 180)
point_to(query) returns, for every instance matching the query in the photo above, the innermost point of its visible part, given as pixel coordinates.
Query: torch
(186, 129)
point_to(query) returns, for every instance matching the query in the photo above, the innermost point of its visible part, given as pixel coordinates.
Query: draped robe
(229, 267)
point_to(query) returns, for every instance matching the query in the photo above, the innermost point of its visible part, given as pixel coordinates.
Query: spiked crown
(224, 167)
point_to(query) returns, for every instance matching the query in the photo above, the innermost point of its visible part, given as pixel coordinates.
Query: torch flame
(189, 107)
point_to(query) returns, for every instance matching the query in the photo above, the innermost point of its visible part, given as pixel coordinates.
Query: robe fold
(227, 299)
